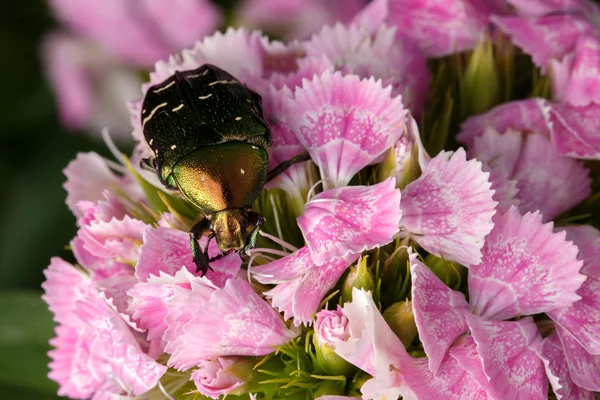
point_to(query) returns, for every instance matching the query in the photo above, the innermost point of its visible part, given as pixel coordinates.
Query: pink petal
(88, 176)
(499, 151)
(508, 352)
(438, 310)
(522, 115)
(574, 130)
(349, 220)
(449, 209)
(573, 78)
(547, 181)
(439, 27)
(372, 345)
(464, 351)
(345, 123)
(305, 68)
(331, 326)
(355, 51)
(557, 370)
(373, 15)
(539, 7)
(544, 38)
(300, 283)
(100, 268)
(235, 321)
(582, 319)
(584, 367)
(94, 348)
(167, 250)
(213, 378)
(526, 269)
(285, 145)
(117, 239)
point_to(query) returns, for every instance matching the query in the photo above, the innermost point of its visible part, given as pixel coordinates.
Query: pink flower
(439, 28)
(574, 130)
(331, 327)
(89, 85)
(448, 210)
(295, 18)
(148, 32)
(96, 353)
(563, 37)
(513, 141)
(213, 378)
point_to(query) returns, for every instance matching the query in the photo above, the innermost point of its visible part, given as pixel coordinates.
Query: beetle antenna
(279, 241)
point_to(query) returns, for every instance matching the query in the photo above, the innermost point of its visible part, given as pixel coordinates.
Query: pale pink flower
(438, 27)
(563, 37)
(213, 379)
(295, 18)
(147, 31)
(526, 269)
(89, 85)
(574, 130)
(95, 352)
(355, 50)
(552, 354)
(522, 161)
(448, 210)
(345, 123)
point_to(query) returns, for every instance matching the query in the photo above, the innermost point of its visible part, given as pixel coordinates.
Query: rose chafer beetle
(210, 141)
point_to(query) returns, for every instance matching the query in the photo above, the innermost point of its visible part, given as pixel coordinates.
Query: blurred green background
(35, 224)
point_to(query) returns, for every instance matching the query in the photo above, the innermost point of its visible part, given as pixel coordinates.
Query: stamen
(162, 389)
(279, 241)
(312, 189)
(276, 215)
(113, 149)
(269, 251)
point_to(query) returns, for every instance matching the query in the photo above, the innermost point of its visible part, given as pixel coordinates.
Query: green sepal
(451, 273)
(360, 277)
(150, 190)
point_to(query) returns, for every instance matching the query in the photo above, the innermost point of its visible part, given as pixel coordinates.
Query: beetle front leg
(258, 223)
(286, 164)
(199, 256)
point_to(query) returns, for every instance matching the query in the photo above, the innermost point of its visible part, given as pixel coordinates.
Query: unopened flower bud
(451, 273)
(481, 85)
(222, 376)
(360, 277)
(401, 319)
(331, 327)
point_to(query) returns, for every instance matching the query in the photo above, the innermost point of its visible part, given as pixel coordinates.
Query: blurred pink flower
(438, 27)
(563, 37)
(141, 32)
(515, 145)
(295, 19)
(575, 130)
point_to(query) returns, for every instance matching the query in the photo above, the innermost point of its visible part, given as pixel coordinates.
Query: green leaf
(25, 328)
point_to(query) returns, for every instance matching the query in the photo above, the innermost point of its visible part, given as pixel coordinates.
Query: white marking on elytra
(223, 82)
(173, 147)
(205, 97)
(164, 87)
(238, 118)
(242, 171)
(151, 141)
(149, 117)
(198, 75)
(201, 179)
(144, 111)
(179, 107)
(254, 147)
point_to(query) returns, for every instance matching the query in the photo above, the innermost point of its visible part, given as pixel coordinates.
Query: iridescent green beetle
(210, 143)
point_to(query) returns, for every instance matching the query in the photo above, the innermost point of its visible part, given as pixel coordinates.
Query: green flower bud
(401, 319)
(330, 388)
(360, 277)
(357, 383)
(331, 327)
(451, 273)
(480, 88)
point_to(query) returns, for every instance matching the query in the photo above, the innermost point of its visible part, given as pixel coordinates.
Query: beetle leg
(286, 164)
(200, 257)
(258, 223)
